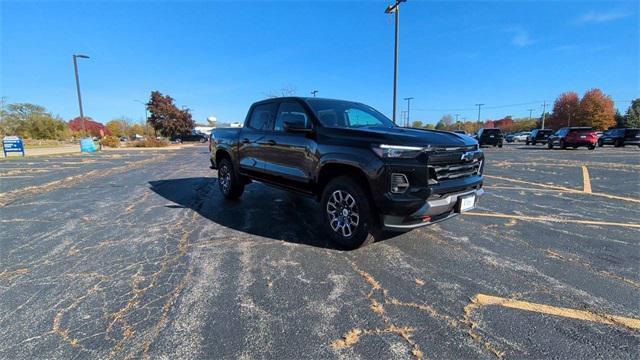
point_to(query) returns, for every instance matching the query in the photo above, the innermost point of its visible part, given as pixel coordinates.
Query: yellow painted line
(486, 300)
(552, 219)
(520, 188)
(556, 187)
(586, 180)
(565, 189)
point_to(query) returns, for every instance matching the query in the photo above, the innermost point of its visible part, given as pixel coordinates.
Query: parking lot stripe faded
(586, 180)
(552, 219)
(563, 189)
(487, 300)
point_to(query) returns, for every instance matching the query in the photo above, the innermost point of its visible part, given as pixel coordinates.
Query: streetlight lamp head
(81, 56)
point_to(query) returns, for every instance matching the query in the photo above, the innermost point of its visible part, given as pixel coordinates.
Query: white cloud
(521, 38)
(601, 16)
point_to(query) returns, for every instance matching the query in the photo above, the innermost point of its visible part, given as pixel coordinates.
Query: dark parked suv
(491, 137)
(620, 137)
(539, 136)
(573, 137)
(369, 174)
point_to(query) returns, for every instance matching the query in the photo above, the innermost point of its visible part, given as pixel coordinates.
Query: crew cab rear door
(252, 136)
(290, 154)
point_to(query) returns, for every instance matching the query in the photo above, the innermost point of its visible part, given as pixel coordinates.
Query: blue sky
(216, 58)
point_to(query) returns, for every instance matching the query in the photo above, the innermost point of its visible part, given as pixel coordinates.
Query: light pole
(395, 8)
(544, 113)
(314, 92)
(75, 68)
(530, 111)
(457, 121)
(408, 99)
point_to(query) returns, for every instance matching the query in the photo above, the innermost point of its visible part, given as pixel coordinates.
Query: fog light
(399, 183)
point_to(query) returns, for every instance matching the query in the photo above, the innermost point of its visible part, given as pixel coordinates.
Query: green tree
(32, 121)
(632, 115)
(445, 122)
(416, 124)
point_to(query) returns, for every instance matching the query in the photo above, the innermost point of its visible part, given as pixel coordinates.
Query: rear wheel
(619, 143)
(500, 145)
(563, 145)
(527, 142)
(533, 142)
(348, 215)
(228, 182)
(600, 143)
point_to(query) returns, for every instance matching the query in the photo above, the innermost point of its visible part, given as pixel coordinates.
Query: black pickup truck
(370, 176)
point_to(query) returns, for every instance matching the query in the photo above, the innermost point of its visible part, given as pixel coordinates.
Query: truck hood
(405, 136)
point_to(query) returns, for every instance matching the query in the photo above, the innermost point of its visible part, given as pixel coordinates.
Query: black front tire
(343, 193)
(230, 185)
(563, 145)
(549, 145)
(600, 143)
(500, 145)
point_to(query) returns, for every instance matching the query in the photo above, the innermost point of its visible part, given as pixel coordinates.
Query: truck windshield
(346, 114)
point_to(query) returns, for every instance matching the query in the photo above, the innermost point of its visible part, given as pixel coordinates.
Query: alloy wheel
(224, 177)
(343, 212)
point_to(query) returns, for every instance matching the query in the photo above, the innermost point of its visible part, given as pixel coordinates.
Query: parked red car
(573, 137)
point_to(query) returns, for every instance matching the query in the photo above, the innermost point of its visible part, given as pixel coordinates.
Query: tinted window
(262, 117)
(336, 113)
(581, 131)
(291, 113)
(492, 132)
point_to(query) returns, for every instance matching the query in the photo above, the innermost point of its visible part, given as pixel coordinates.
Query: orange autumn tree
(565, 109)
(596, 110)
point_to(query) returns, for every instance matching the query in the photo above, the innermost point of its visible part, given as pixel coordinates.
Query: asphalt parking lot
(136, 254)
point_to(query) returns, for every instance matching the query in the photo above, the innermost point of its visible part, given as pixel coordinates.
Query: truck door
(290, 155)
(251, 158)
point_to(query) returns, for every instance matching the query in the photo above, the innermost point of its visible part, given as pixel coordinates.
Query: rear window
(262, 116)
(492, 131)
(581, 131)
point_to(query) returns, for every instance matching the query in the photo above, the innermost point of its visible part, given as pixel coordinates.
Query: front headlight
(398, 151)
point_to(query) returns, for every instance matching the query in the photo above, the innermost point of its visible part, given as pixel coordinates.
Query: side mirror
(296, 127)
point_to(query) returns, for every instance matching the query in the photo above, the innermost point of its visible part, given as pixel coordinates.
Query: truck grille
(448, 164)
(458, 170)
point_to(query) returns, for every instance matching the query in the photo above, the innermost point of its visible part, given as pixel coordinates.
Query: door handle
(245, 141)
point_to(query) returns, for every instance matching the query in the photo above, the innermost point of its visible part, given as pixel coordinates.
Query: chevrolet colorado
(370, 176)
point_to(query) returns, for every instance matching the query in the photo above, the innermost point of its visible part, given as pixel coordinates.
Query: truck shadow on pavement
(261, 210)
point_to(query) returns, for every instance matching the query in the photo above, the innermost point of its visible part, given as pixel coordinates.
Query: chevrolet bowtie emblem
(468, 156)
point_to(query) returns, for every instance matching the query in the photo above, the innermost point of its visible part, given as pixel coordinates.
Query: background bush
(150, 143)
(111, 141)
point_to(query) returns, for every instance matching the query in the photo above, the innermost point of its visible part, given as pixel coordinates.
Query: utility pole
(479, 106)
(395, 8)
(75, 67)
(457, 121)
(544, 112)
(314, 92)
(408, 99)
(146, 115)
(530, 111)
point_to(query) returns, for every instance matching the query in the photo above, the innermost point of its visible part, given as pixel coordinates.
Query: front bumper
(433, 211)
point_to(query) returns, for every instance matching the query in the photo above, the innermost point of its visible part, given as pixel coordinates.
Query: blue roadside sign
(12, 144)
(87, 145)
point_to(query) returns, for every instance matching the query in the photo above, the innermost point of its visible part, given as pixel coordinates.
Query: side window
(262, 116)
(358, 117)
(291, 113)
